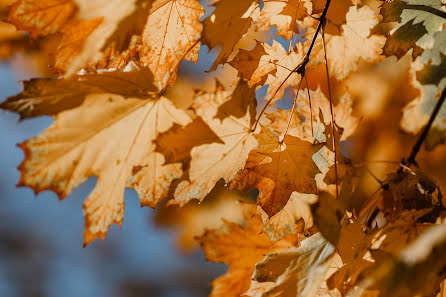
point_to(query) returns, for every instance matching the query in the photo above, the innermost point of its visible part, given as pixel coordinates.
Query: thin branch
(417, 145)
(333, 132)
(425, 8)
(301, 68)
(309, 101)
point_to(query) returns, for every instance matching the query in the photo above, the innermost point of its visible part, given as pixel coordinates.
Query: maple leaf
(254, 65)
(428, 79)
(240, 248)
(227, 153)
(285, 62)
(51, 96)
(295, 217)
(395, 268)
(336, 14)
(111, 137)
(171, 34)
(355, 247)
(417, 21)
(295, 272)
(404, 39)
(354, 44)
(310, 123)
(86, 35)
(227, 25)
(286, 16)
(41, 18)
(278, 168)
(422, 259)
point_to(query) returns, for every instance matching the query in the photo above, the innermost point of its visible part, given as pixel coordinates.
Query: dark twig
(301, 68)
(417, 145)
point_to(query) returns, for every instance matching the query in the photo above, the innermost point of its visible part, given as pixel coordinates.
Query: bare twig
(417, 145)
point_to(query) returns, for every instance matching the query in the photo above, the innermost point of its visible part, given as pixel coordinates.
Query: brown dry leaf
(228, 153)
(295, 217)
(171, 34)
(51, 96)
(356, 43)
(286, 16)
(294, 272)
(427, 76)
(336, 14)
(110, 137)
(41, 18)
(240, 248)
(389, 240)
(406, 275)
(278, 168)
(227, 25)
(254, 65)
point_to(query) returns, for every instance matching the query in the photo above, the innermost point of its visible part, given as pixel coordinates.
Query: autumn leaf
(417, 22)
(295, 272)
(295, 217)
(232, 17)
(422, 259)
(227, 153)
(278, 168)
(107, 136)
(51, 96)
(286, 16)
(285, 62)
(427, 79)
(240, 248)
(336, 14)
(41, 18)
(171, 34)
(354, 44)
(254, 65)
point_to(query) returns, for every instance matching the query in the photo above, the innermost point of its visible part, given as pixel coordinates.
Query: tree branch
(417, 145)
(425, 8)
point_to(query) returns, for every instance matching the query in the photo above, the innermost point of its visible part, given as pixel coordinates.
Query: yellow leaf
(356, 43)
(172, 31)
(107, 136)
(41, 18)
(286, 16)
(211, 162)
(240, 248)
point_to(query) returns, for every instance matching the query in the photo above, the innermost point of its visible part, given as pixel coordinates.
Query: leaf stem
(417, 145)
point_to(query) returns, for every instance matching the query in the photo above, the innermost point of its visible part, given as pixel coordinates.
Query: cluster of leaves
(307, 235)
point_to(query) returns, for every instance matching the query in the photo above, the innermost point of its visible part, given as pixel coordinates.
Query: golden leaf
(356, 43)
(107, 136)
(240, 248)
(171, 34)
